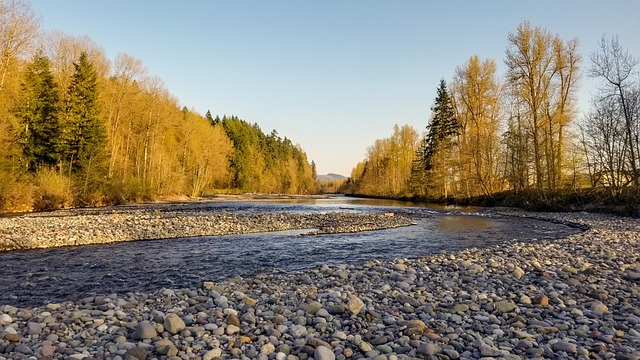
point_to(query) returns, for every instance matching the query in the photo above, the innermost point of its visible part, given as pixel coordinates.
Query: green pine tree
(442, 129)
(38, 115)
(210, 118)
(84, 133)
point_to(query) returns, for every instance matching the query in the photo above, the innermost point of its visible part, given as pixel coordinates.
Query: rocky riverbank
(109, 225)
(577, 297)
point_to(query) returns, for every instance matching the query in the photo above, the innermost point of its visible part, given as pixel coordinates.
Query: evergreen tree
(442, 129)
(84, 133)
(314, 170)
(38, 115)
(210, 118)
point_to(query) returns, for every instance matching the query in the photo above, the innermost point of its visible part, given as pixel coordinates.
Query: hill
(331, 176)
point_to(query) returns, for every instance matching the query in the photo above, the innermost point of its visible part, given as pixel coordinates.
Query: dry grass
(53, 190)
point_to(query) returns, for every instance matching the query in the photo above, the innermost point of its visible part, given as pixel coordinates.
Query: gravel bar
(102, 226)
(573, 298)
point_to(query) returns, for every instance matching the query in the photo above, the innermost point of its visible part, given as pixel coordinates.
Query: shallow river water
(37, 277)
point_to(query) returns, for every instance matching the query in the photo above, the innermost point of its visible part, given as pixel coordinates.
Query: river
(37, 277)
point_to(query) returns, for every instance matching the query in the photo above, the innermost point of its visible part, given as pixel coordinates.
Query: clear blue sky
(333, 76)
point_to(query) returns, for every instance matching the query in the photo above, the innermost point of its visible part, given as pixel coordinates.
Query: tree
(266, 163)
(442, 132)
(387, 168)
(517, 143)
(64, 51)
(542, 74)
(38, 115)
(205, 154)
(605, 144)
(476, 92)
(122, 95)
(247, 164)
(314, 170)
(210, 118)
(84, 133)
(561, 111)
(443, 126)
(18, 31)
(615, 66)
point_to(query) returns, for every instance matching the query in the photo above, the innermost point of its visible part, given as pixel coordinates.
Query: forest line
(77, 129)
(520, 131)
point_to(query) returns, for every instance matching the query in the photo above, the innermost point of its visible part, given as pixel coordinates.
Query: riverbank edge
(180, 199)
(595, 200)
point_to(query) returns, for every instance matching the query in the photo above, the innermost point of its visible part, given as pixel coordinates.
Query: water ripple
(37, 277)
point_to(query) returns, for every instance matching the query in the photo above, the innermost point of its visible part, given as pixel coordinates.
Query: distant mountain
(331, 176)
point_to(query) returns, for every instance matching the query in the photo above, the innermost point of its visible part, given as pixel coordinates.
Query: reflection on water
(36, 277)
(464, 223)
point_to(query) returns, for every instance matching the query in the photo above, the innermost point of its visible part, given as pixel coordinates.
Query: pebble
(541, 300)
(565, 346)
(323, 353)
(5, 319)
(165, 347)
(267, 349)
(173, 323)
(355, 305)
(212, 354)
(298, 331)
(232, 329)
(145, 330)
(429, 349)
(505, 306)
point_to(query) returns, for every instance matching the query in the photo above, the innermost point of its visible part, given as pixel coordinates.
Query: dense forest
(78, 129)
(519, 131)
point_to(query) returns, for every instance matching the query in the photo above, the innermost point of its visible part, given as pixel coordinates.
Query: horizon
(321, 73)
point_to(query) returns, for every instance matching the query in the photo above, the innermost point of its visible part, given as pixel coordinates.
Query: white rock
(230, 311)
(5, 319)
(323, 353)
(77, 356)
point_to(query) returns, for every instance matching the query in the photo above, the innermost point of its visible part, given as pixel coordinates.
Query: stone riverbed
(575, 297)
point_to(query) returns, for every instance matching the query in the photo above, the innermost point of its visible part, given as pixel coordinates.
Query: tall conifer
(38, 115)
(443, 127)
(84, 133)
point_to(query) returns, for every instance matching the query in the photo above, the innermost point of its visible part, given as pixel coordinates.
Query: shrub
(53, 190)
(15, 195)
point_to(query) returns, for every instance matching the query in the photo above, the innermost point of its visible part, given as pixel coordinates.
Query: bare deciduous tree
(615, 66)
(19, 29)
(543, 72)
(604, 140)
